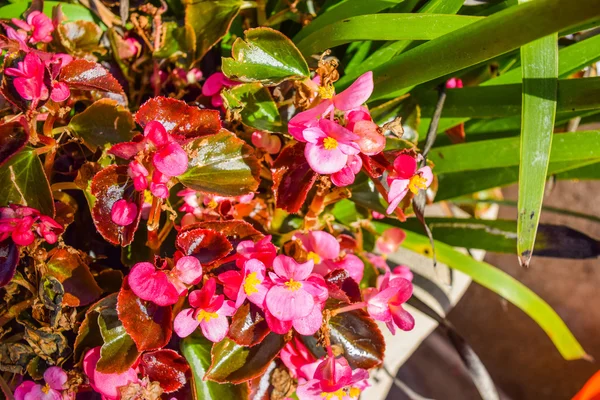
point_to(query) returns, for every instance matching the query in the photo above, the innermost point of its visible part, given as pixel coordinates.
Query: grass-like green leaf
(510, 28)
(73, 12)
(504, 285)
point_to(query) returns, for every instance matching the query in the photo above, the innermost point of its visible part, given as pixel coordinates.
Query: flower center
(314, 256)
(341, 393)
(293, 285)
(326, 92)
(417, 182)
(212, 204)
(250, 284)
(206, 316)
(330, 143)
(46, 388)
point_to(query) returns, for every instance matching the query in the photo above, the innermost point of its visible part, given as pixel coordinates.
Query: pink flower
(329, 145)
(20, 223)
(164, 287)
(405, 177)
(169, 157)
(106, 384)
(350, 99)
(209, 311)
(390, 240)
(39, 25)
(333, 380)
(123, 212)
(292, 295)
(266, 141)
(386, 305)
(346, 175)
(60, 90)
(249, 283)
(139, 174)
(262, 250)
(29, 79)
(377, 215)
(214, 85)
(371, 141)
(454, 83)
(55, 379)
(296, 356)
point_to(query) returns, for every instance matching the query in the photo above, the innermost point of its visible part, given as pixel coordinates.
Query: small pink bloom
(377, 215)
(106, 384)
(322, 247)
(266, 141)
(214, 85)
(351, 263)
(404, 177)
(129, 48)
(454, 83)
(48, 228)
(390, 240)
(333, 379)
(39, 25)
(346, 175)
(158, 185)
(249, 283)
(386, 305)
(169, 158)
(55, 379)
(21, 222)
(329, 145)
(29, 79)
(262, 250)
(296, 356)
(209, 311)
(139, 174)
(123, 212)
(164, 287)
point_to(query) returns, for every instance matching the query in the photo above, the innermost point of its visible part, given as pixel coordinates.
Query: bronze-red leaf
(167, 368)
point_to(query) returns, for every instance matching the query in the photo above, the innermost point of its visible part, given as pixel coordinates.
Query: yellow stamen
(46, 388)
(206, 316)
(250, 284)
(292, 285)
(212, 204)
(354, 392)
(330, 143)
(340, 394)
(314, 256)
(326, 92)
(148, 196)
(417, 182)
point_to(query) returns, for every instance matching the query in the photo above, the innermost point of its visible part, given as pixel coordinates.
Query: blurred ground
(519, 356)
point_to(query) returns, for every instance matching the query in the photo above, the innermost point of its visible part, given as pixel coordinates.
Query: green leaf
(255, 105)
(265, 56)
(232, 363)
(501, 236)
(383, 27)
(177, 43)
(196, 350)
(504, 285)
(587, 172)
(23, 181)
(210, 20)
(221, 164)
(73, 12)
(540, 77)
(344, 9)
(575, 146)
(102, 123)
(118, 353)
(510, 28)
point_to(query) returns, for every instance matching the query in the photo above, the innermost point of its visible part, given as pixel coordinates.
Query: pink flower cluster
(155, 157)
(21, 223)
(337, 130)
(199, 206)
(54, 389)
(38, 25)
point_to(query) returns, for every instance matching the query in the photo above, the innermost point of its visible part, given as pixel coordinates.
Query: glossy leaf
(265, 56)
(118, 353)
(383, 27)
(506, 286)
(512, 27)
(206, 245)
(9, 258)
(23, 181)
(221, 164)
(167, 368)
(108, 186)
(210, 21)
(292, 178)
(13, 138)
(178, 117)
(8, 88)
(103, 122)
(248, 326)
(232, 363)
(71, 271)
(87, 75)
(235, 231)
(88, 335)
(539, 61)
(148, 325)
(197, 351)
(80, 38)
(255, 105)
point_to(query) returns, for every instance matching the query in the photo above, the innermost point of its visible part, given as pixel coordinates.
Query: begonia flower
(404, 177)
(333, 379)
(390, 240)
(386, 305)
(106, 384)
(249, 283)
(20, 223)
(296, 357)
(213, 86)
(329, 145)
(263, 250)
(54, 389)
(347, 174)
(123, 212)
(208, 310)
(29, 79)
(266, 141)
(38, 25)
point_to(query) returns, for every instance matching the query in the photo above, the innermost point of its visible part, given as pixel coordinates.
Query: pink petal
(354, 265)
(308, 118)
(336, 131)
(202, 298)
(56, 378)
(371, 140)
(215, 329)
(106, 384)
(313, 134)
(404, 290)
(390, 240)
(324, 161)
(378, 307)
(149, 284)
(324, 244)
(60, 92)
(405, 166)
(156, 133)
(232, 282)
(287, 267)
(123, 213)
(402, 318)
(343, 177)
(23, 389)
(38, 392)
(315, 285)
(185, 323)
(288, 305)
(23, 238)
(427, 174)
(398, 190)
(310, 324)
(126, 150)
(189, 270)
(269, 142)
(171, 159)
(276, 325)
(356, 95)
(310, 390)
(213, 84)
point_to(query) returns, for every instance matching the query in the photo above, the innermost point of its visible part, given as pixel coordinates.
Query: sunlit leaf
(255, 105)
(80, 286)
